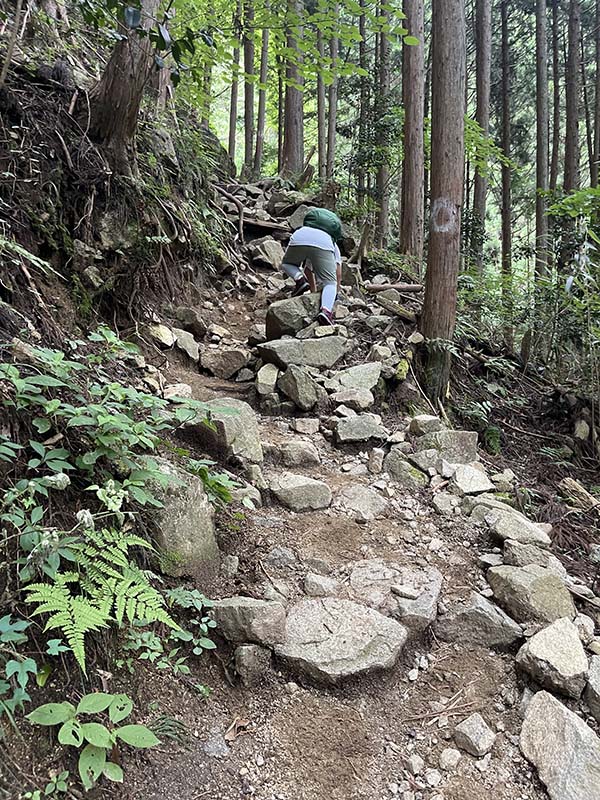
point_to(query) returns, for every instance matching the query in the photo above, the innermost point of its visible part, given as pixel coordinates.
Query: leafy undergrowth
(79, 465)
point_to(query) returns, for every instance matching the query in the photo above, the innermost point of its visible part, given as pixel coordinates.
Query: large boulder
(267, 253)
(360, 428)
(297, 384)
(299, 493)
(457, 447)
(298, 453)
(266, 379)
(555, 658)
(320, 353)
(356, 399)
(409, 594)
(398, 468)
(505, 521)
(233, 430)
(184, 527)
(563, 749)
(362, 376)
(329, 639)
(531, 593)
(247, 619)
(364, 503)
(517, 554)
(470, 480)
(478, 622)
(224, 362)
(425, 423)
(288, 317)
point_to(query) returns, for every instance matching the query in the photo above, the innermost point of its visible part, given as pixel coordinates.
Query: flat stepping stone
(330, 639)
(299, 493)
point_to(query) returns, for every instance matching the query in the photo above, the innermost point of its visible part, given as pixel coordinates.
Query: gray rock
(266, 379)
(415, 764)
(586, 628)
(365, 503)
(360, 428)
(445, 504)
(458, 447)
(449, 758)
(410, 595)
(185, 341)
(306, 425)
(281, 557)
(470, 480)
(299, 453)
(555, 658)
(425, 423)
(329, 639)
(474, 736)
(521, 555)
(230, 566)
(424, 459)
(563, 749)
(246, 619)
(319, 353)
(398, 468)
(478, 622)
(356, 399)
(161, 335)
(592, 690)
(252, 662)
(296, 220)
(531, 593)
(216, 746)
(267, 253)
(224, 362)
(235, 431)
(504, 481)
(505, 521)
(288, 317)
(191, 320)
(363, 376)
(316, 585)
(297, 384)
(184, 526)
(299, 493)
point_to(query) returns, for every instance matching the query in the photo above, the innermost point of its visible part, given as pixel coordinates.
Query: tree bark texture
(321, 111)
(555, 95)
(413, 168)
(383, 171)
(235, 83)
(506, 210)
(248, 86)
(363, 112)
(262, 103)
(572, 81)
(447, 176)
(115, 100)
(333, 99)
(595, 165)
(293, 134)
(542, 148)
(483, 61)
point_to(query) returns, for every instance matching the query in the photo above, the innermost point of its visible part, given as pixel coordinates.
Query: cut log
(395, 308)
(399, 287)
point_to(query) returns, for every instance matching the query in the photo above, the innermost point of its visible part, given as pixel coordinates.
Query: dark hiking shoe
(326, 317)
(302, 286)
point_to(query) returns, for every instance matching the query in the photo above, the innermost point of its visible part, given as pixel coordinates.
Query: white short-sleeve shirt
(313, 237)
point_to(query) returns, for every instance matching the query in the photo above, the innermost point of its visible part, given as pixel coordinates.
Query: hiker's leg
(325, 270)
(292, 262)
(310, 277)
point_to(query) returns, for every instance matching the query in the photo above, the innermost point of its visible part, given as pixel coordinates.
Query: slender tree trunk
(413, 170)
(115, 100)
(262, 103)
(595, 165)
(556, 96)
(321, 111)
(447, 176)
(293, 136)
(383, 171)
(235, 83)
(364, 107)
(589, 132)
(541, 218)
(426, 111)
(280, 113)
(333, 99)
(248, 86)
(483, 61)
(12, 39)
(571, 178)
(506, 175)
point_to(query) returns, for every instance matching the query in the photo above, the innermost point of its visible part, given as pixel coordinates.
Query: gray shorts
(322, 261)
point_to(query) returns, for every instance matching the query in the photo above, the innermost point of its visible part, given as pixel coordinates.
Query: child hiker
(316, 241)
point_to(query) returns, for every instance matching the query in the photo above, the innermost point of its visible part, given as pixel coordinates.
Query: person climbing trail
(316, 242)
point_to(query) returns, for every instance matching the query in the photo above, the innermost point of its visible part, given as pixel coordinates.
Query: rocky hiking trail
(391, 625)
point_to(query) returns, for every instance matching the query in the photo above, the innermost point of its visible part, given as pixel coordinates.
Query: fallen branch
(238, 204)
(395, 308)
(399, 287)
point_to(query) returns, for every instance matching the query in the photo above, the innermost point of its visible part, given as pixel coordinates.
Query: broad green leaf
(21, 670)
(96, 734)
(120, 708)
(137, 736)
(42, 424)
(70, 733)
(51, 714)
(91, 764)
(43, 674)
(113, 772)
(94, 703)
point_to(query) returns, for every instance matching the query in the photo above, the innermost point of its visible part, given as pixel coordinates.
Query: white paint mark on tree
(444, 216)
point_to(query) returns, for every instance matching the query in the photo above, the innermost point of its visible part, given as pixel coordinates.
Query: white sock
(328, 296)
(292, 271)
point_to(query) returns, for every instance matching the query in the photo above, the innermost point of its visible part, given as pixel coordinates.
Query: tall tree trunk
(262, 103)
(483, 61)
(506, 174)
(541, 219)
(235, 83)
(447, 176)
(413, 169)
(280, 112)
(293, 135)
(426, 110)
(363, 113)
(383, 171)
(321, 110)
(589, 132)
(556, 95)
(115, 100)
(333, 98)
(248, 86)
(595, 166)
(571, 178)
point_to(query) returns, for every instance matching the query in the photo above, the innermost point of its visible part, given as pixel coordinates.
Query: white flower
(85, 518)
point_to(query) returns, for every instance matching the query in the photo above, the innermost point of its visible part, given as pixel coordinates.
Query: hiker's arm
(338, 270)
